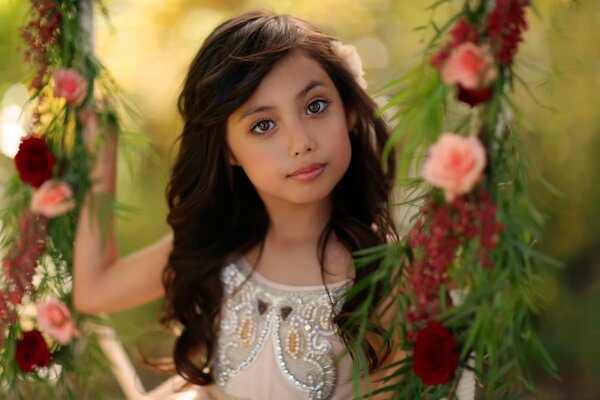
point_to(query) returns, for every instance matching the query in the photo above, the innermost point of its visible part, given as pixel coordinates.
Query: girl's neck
(297, 225)
(290, 252)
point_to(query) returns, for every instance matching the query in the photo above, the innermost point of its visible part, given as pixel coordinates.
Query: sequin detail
(299, 323)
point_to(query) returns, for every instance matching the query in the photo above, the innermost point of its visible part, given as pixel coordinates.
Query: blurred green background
(149, 43)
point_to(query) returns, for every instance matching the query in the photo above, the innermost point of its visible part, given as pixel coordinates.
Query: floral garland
(466, 268)
(47, 352)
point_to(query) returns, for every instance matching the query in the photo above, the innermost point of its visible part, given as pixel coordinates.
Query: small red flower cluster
(442, 229)
(20, 263)
(506, 24)
(461, 33)
(32, 352)
(41, 34)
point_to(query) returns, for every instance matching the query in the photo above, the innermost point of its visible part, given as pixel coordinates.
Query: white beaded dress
(277, 341)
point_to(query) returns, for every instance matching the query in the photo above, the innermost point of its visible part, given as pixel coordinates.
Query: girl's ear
(231, 158)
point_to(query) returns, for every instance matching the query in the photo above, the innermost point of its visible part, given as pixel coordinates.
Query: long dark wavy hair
(214, 211)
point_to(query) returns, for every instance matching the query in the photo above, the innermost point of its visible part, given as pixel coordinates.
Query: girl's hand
(89, 116)
(89, 122)
(103, 153)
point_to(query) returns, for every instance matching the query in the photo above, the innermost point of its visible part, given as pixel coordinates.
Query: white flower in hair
(349, 54)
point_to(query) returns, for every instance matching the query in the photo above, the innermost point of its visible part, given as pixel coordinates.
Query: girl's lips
(308, 173)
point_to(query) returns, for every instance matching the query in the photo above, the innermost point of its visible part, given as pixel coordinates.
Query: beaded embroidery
(299, 323)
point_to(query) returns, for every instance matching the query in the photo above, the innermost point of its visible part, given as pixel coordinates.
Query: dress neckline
(244, 265)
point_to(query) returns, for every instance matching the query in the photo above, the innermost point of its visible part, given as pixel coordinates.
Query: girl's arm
(385, 315)
(103, 281)
(376, 378)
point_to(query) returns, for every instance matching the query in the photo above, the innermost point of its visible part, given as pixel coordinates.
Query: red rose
(474, 96)
(32, 351)
(34, 161)
(435, 356)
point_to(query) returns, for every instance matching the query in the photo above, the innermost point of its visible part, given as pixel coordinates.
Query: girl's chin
(304, 196)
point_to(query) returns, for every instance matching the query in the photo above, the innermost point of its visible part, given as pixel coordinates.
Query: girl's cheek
(261, 164)
(342, 139)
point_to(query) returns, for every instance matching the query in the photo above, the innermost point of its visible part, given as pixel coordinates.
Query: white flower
(349, 54)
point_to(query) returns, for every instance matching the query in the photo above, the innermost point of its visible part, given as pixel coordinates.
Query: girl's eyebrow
(311, 85)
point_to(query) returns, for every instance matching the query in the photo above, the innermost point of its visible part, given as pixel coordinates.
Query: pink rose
(55, 319)
(469, 65)
(455, 164)
(52, 198)
(70, 85)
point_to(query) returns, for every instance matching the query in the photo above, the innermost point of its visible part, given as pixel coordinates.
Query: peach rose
(70, 85)
(469, 65)
(52, 198)
(455, 164)
(54, 318)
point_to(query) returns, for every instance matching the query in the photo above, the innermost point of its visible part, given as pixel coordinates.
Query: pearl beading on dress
(299, 323)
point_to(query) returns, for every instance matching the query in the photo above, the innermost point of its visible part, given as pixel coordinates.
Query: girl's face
(295, 121)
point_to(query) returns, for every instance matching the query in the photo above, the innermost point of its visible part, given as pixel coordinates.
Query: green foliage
(419, 104)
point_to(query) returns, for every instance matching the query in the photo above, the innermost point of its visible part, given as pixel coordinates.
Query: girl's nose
(301, 141)
(302, 150)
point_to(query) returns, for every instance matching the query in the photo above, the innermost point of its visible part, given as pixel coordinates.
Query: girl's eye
(265, 125)
(262, 126)
(317, 107)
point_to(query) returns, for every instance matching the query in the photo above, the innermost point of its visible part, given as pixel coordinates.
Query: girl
(277, 181)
